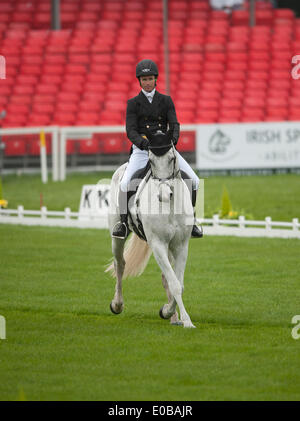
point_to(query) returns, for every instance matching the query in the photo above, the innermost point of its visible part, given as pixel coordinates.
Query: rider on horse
(149, 111)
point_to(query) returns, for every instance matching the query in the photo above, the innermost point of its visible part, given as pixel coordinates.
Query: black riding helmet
(146, 68)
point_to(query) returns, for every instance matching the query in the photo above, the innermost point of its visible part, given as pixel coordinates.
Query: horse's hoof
(188, 324)
(175, 320)
(115, 311)
(178, 323)
(162, 314)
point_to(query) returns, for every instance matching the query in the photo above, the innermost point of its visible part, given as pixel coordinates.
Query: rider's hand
(145, 143)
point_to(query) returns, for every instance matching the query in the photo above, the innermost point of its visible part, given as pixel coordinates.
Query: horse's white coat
(166, 213)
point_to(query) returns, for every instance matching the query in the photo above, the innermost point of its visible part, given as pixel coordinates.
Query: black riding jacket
(143, 116)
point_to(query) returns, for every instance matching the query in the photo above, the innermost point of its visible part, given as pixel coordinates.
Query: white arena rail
(84, 132)
(54, 130)
(211, 226)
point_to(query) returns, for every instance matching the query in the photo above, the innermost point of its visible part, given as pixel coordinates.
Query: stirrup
(120, 230)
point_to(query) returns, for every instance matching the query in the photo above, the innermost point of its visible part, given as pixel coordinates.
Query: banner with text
(249, 145)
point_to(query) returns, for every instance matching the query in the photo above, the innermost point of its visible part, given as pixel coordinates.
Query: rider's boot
(121, 229)
(197, 231)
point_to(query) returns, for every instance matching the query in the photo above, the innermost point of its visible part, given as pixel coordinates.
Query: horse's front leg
(161, 256)
(168, 311)
(117, 303)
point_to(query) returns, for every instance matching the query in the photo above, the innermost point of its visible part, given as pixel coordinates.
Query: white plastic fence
(55, 132)
(60, 135)
(211, 226)
(77, 132)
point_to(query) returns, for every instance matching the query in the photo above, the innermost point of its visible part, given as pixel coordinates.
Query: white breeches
(138, 160)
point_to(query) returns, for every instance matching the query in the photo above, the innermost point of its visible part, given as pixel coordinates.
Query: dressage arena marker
(240, 227)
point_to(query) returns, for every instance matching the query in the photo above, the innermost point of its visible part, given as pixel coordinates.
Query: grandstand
(221, 69)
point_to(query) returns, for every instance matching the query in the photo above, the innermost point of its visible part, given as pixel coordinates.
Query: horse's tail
(136, 255)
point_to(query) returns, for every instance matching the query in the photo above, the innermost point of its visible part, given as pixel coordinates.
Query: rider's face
(147, 83)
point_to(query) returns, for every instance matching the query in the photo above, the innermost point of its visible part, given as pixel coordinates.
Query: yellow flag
(42, 139)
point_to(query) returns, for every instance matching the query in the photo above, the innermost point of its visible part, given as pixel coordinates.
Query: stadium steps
(221, 69)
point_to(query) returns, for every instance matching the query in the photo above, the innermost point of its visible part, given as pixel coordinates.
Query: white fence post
(268, 223)
(241, 221)
(55, 155)
(215, 221)
(67, 213)
(20, 212)
(295, 224)
(63, 158)
(44, 212)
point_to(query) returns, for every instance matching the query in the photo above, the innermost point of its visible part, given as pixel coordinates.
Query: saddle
(139, 180)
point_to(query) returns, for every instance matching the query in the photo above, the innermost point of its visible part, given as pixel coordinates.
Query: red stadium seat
(84, 73)
(110, 118)
(230, 103)
(264, 17)
(88, 146)
(294, 114)
(111, 143)
(294, 101)
(250, 119)
(13, 109)
(38, 119)
(64, 118)
(33, 146)
(229, 119)
(14, 147)
(280, 113)
(87, 118)
(185, 116)
(71, 147)
(284, 13)
(254, 102)
(240, 17)
(205, 119)
(210, 115)
(253, 113)
(186, 142)
(277, 102)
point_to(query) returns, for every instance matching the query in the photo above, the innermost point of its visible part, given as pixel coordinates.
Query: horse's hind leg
(169, 309)
(117, 303)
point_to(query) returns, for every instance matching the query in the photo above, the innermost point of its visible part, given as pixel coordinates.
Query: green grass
(277, 196)
(64, 344)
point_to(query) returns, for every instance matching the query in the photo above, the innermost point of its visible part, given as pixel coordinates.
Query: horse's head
(162, 156)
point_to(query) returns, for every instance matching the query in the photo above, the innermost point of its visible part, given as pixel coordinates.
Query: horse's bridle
(174, 173)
